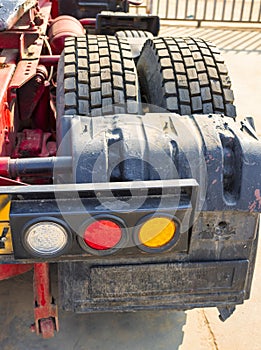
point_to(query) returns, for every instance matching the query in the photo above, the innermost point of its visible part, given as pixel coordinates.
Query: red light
(102, 235)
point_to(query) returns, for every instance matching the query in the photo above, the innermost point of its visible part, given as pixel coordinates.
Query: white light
(46, 238)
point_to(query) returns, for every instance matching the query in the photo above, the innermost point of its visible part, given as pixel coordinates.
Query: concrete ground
(242, 52)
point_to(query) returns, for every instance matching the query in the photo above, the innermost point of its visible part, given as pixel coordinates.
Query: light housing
(157, 233)
(46, 238)
(102, 235)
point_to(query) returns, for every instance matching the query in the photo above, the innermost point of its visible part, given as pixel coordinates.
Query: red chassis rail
(19, 60)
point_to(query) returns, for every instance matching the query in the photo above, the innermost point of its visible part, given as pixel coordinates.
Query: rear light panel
(46, 238)
(86, 216)
(102, 235)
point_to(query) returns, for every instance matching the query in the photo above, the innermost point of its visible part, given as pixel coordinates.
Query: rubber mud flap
(162, 285)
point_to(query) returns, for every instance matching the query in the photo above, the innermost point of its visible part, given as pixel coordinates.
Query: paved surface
(105, 331)
(202, 329)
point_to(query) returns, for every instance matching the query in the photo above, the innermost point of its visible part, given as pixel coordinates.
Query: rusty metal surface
(12, 10)
(30, 53)
(7, 68)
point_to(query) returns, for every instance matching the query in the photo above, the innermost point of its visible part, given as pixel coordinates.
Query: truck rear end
(124, 164)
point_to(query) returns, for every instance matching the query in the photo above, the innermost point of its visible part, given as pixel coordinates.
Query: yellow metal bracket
(6, 245)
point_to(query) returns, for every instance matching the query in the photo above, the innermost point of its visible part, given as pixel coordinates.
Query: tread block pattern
(190, 75)
(99, 76)
(134, 34)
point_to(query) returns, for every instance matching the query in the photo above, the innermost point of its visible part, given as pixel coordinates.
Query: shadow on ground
(153, 330)
(228, 40)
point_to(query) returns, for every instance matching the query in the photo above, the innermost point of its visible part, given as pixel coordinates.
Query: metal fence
(243, 11)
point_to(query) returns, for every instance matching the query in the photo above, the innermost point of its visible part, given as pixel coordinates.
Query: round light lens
(157, 232)
(102, 234)
(46, 238)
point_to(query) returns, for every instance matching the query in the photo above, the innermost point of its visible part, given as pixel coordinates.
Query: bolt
(30, 50)
(3, 65)
(38, 20)
(38, 79)
(221, 228)
(6, 137)
(31, 24)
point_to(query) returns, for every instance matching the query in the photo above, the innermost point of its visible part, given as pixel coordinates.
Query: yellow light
(157, 232)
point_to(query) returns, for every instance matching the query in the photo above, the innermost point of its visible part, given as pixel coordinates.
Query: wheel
(97, 76)
(185, 76)
(134, 34)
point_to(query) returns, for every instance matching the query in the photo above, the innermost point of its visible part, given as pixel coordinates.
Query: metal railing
(239, 11)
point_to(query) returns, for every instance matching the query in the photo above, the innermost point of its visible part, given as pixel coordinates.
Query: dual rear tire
(97, 76)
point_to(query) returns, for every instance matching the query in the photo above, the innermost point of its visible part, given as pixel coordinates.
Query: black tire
(97, 76)
(134, 34)
(136, 39)
(186, 76)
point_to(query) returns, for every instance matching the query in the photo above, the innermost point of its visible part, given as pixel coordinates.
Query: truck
(123, 163)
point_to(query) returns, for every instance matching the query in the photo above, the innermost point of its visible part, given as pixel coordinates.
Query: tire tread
(99, 73)
(191, 70)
